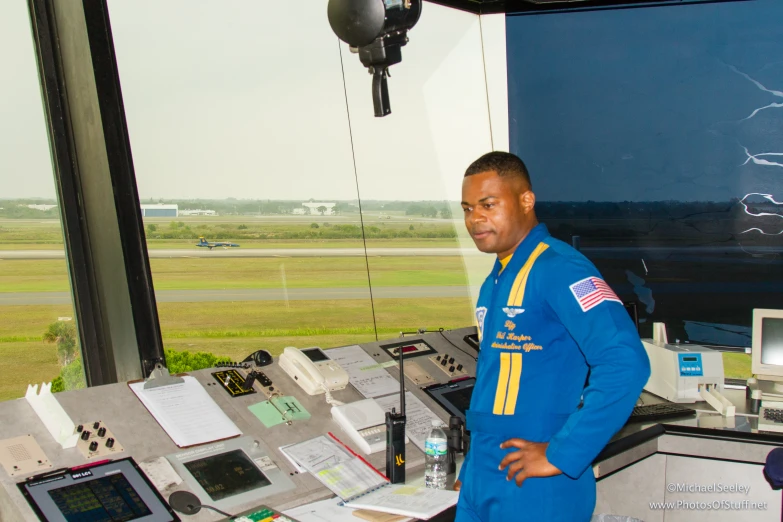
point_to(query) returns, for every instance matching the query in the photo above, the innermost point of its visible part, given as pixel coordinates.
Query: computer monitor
(767, 344)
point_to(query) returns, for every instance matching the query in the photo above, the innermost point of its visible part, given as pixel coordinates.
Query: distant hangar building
(160, 210)
(313, 208)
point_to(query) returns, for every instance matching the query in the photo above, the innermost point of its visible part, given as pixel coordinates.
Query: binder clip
(160, 376)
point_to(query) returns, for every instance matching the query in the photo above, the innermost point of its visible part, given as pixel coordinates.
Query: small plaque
(416, 373)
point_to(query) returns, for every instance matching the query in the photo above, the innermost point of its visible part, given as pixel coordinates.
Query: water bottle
(436, 455)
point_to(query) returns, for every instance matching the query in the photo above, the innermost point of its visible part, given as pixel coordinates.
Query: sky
(247, 100)
(649, 104)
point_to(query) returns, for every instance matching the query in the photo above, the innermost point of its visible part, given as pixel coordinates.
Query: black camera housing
(377, 30)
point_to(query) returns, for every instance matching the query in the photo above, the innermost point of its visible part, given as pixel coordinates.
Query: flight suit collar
(537, 234)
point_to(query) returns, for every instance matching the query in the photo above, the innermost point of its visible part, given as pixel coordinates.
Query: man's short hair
(504, 163)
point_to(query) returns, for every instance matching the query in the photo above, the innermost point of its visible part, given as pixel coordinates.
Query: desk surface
(640, 438)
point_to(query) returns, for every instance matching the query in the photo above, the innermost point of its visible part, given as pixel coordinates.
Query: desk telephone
(313, 370)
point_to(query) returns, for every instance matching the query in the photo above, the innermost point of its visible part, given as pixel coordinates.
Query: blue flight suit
(543, 321)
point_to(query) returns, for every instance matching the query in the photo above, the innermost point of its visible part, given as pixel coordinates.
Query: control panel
(97, 440)
(690, 364)
(248, 475)
(449, 365)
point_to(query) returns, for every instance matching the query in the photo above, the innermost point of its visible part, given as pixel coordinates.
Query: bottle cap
(437, 423)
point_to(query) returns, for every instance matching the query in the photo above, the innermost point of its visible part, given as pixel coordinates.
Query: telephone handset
(313, 370)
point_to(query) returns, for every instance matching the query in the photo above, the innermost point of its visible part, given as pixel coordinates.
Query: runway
(171, 253)
(701, 254)
(265, 294)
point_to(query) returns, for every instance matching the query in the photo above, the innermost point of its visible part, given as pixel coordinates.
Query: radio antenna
(402, 384)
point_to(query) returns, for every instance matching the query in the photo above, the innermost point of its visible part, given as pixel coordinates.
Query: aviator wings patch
(513, 312)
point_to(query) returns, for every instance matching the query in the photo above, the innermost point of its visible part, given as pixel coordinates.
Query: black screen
(460, 398)
(772, 341)
(315, 355)
(107, 499)
(227, 474)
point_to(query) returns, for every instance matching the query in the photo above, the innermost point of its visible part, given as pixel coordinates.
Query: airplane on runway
(204, 243)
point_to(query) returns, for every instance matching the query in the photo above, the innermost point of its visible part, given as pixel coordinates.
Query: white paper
(325, 511)
(186, 412)
(418, 417)
(160, 472)
(295, 464)
(408, 501)
(363, 371)
(345, 474)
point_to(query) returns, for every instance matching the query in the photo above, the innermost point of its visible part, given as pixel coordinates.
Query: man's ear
(527, 200)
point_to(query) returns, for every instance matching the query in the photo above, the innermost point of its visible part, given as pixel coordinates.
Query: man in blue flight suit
(545, 317)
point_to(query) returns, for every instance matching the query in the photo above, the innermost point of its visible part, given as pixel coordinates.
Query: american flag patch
(592, 291)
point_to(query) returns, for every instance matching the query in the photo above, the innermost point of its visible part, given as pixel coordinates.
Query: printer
(685, 373)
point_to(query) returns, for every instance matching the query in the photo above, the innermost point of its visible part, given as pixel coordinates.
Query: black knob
(79, 428)
(93, 445)
(85, 435)
(444, 362)
(459, 367)
(451, 368)
(102, 432)
(437, 358)
(96, 425)
(451, 360)
(109, 442)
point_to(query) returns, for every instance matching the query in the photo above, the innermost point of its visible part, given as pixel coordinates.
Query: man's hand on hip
(528, 461)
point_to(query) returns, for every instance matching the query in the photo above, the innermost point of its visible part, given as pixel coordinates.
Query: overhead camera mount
(376, 30)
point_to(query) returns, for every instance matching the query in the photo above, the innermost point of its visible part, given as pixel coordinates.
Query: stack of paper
(363, 487)
(364, 373)
(186, 412)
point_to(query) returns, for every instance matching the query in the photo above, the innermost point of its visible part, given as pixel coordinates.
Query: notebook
(360, 485)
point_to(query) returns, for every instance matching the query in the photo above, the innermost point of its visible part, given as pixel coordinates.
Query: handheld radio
(395, 435)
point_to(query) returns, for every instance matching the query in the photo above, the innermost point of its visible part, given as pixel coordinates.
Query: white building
(313, 207)
(300, 211)
(42, 208)
(160, 210)
(197, 212)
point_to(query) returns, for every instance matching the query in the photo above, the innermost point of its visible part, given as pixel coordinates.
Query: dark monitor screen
(107, 499)
(453, 396)
(772, 341)
(227, 474)
(315, 354)
(112, 491)
(459, 398)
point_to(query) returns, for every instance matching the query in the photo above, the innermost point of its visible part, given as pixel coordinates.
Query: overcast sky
(246, 99)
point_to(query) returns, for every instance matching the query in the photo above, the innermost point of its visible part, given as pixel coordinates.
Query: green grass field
(229, 329)
(231, 273)
(235, 329)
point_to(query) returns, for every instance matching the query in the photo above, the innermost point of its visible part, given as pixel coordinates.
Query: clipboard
(183, 409)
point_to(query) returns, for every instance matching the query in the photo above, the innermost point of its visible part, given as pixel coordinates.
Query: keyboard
(653, 412)
(263, 514)
(770, 419)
